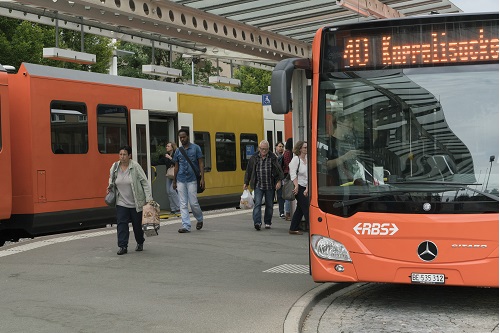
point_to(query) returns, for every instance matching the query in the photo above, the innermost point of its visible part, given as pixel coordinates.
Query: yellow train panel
(213, 115)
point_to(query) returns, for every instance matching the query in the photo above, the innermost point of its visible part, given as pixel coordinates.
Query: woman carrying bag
(173, 196)
(298, 174)
(132, 193)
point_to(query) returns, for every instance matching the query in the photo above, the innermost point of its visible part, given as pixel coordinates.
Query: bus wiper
(344, 203)
(466, 186)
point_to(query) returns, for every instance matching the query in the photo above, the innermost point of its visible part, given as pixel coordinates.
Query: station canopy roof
(243, 31)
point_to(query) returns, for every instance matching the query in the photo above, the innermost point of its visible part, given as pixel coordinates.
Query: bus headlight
(327, 248)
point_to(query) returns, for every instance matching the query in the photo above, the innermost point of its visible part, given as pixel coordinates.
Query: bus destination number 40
(375, 229)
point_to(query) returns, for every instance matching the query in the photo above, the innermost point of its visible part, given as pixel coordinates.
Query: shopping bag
(151, 218)
(287, 192)
(246, 200)
(170, 173)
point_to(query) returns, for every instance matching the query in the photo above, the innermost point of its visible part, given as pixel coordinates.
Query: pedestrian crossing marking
(289, 269)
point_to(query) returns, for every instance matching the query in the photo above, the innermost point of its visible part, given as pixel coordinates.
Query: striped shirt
(264, 173)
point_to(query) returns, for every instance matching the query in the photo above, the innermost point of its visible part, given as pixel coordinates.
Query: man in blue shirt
(185, 180)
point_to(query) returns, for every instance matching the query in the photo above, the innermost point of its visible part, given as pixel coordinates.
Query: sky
(474, 6)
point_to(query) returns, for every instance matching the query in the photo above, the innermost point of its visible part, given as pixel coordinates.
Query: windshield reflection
(378, 130)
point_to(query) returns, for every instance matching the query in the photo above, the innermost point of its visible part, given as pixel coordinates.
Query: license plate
(427, 278)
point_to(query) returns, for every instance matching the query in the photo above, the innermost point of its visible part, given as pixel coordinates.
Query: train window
(68, 127)
(225, 150)
(270, 138)
(202, 139)
(248, 147)
(279, 136)
(112, 128)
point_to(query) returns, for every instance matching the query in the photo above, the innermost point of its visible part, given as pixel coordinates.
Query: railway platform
(227, 277)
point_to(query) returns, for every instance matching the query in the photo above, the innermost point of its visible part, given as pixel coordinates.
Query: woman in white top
(298, 174)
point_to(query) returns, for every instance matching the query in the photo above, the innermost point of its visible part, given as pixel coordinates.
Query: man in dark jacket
(264, 175)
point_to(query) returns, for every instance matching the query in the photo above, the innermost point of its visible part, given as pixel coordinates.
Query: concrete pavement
(225, 278)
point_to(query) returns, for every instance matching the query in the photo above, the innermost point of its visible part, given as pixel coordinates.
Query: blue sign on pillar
(266, 99)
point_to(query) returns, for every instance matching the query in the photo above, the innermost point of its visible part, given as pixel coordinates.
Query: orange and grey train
(60, 131)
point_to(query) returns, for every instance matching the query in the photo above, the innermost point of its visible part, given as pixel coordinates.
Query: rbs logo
(375, 229)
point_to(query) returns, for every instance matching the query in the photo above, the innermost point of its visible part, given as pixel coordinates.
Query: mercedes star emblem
(427, 251)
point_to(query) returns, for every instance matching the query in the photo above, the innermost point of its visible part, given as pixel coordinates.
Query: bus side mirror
(281, 83)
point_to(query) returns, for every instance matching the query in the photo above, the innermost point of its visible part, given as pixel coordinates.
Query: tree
(131, 65)
(253, 80)
(23, 41)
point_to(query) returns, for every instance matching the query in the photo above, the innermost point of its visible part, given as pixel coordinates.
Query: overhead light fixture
(224, 81)
(161, 71)
(55, 53)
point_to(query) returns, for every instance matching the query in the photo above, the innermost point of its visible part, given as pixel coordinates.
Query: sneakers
(121, 251)
(257, 227)
(295, 232)
(183, 231)
(268, 226)
(139, 247)
(282, 216)
(199, 225)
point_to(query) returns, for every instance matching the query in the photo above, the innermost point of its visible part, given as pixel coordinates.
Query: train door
(273, 131)
(162, 129)
(5, 151)
(139, 130)
(186, 121)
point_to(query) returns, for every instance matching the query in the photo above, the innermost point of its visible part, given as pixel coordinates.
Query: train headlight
(327, 248)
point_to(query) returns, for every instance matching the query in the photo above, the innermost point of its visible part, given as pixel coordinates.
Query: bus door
(139, 130)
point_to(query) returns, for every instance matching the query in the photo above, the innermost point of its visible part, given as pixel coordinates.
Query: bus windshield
(409, 136)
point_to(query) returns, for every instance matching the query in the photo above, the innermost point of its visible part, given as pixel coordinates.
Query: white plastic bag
(246, 201)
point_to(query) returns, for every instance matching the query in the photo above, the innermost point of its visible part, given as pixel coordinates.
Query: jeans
(173, 197)
(269, 202)
(187, 193)
(124, 216)
(287, 206)
(301, 210)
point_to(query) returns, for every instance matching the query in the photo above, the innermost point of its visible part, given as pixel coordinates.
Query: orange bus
(403, 147)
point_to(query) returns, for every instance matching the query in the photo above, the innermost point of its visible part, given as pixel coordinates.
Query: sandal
(199, 225)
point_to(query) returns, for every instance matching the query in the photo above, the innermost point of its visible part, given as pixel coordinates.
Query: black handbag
(110, 198)
(199, 189)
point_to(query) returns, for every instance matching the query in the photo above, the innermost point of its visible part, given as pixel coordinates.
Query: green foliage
(23, 41)
(253, 80)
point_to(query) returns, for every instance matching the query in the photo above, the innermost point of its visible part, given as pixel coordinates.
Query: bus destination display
(419, 46)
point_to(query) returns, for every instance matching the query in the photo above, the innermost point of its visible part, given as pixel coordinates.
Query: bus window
(202, 139)
(248, 147)
(112, 127)
(68, 127)
(225, 150)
